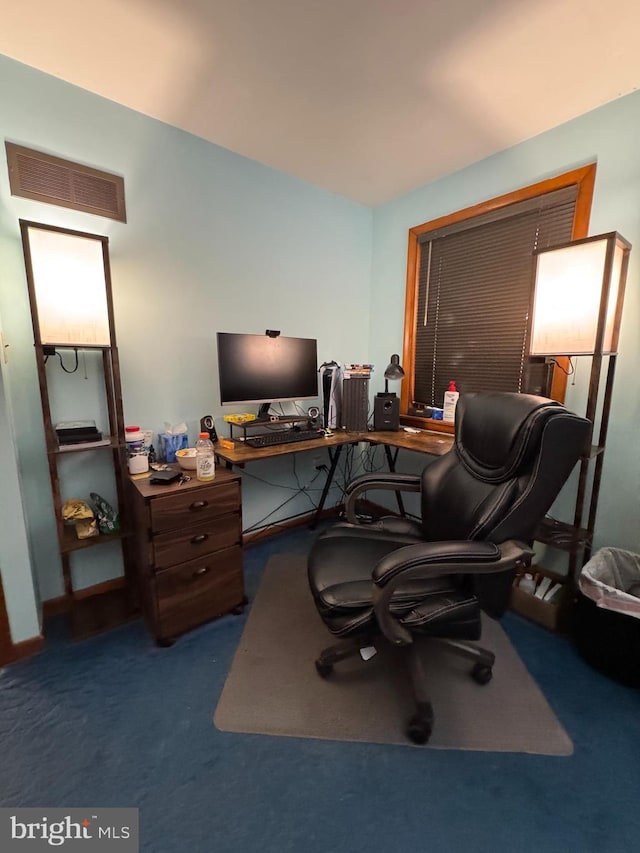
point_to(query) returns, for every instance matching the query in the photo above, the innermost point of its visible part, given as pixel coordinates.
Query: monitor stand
(264, 417)
(263, 412)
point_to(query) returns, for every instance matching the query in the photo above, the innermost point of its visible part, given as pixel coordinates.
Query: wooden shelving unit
(97, 608)
(576, 538)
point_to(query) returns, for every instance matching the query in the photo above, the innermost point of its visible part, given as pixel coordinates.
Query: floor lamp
(577, 306)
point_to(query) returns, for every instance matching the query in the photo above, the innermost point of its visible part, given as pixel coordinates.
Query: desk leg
(228, 465)
(391, 461)
(327, 484)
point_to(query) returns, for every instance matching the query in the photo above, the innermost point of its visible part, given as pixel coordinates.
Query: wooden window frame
(583, 178)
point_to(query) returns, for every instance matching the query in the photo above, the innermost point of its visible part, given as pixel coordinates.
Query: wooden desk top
(434, 443)
(149, 490)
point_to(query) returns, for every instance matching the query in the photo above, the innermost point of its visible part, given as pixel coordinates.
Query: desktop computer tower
(355, 403)
(386, 412)
(331, 381)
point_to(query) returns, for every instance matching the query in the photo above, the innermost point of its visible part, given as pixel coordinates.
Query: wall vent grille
(42, 177)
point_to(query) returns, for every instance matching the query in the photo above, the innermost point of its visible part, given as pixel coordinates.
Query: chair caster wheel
(324, 670)
(481, 674)
(420, 726)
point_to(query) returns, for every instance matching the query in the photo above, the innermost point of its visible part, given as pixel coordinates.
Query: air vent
(42, 177)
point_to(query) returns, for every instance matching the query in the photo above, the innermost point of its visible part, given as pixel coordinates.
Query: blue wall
(217, 242)
(213, 241)
(609, 137)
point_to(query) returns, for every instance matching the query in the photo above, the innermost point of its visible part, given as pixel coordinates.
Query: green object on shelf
(108, 521)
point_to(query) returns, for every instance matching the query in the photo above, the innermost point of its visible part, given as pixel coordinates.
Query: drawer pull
(201, 537)
(199, 504)
(201, 571)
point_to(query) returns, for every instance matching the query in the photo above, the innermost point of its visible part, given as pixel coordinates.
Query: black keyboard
(283, 436)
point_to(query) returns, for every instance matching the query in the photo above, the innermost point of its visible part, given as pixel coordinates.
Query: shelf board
(595, 450)
(93, 614)
(266, 425)
(561, 535)
(70, 541)
(109, 441)
(78, 347)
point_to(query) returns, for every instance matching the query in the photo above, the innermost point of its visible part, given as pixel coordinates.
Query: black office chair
(480, 503)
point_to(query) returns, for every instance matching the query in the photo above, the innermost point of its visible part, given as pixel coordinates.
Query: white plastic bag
(611, 578)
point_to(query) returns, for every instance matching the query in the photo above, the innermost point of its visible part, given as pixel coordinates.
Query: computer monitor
(266, 369)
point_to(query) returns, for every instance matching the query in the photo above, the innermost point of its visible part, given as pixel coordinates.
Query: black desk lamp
(386, 406)
(393, 371)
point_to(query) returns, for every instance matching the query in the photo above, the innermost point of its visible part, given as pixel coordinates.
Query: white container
(450, 402)
(205, 459)
(137, 457)
(527, 583)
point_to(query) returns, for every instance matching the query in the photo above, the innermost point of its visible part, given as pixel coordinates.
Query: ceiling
(365, 98)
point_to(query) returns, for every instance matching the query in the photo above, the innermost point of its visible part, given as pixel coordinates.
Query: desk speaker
(207, 424)
(386, 412)
(315, 418)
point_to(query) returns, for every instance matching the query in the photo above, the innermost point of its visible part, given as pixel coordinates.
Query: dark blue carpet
(116, 721)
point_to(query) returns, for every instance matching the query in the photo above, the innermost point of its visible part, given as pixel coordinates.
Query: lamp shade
(69, 286)
(579, 288)
(393, 369)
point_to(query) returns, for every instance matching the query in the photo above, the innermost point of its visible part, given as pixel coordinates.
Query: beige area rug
(273, 687)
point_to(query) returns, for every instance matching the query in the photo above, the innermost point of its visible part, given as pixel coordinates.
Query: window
(469, 292)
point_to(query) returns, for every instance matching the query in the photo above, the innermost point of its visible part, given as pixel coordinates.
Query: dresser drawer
(198, 590)
(182, 509)
(196, 541)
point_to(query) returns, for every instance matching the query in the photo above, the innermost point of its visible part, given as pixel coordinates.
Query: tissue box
(169, 444)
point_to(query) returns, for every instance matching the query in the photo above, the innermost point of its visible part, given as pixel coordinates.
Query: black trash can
(606, 618)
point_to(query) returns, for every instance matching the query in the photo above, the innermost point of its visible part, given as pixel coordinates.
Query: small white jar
(137, 457)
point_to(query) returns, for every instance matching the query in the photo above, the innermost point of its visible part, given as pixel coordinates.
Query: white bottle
(137, 455)
(205, 458)
(450, 401)
(527, 583)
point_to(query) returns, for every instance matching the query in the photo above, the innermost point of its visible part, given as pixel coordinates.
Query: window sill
(427, 423)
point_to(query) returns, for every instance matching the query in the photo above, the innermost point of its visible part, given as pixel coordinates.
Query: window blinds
(474, 295)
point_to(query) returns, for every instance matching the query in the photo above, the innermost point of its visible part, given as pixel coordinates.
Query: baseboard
(11, 652)
(24, 649)
(102, 608)
(303, 520)
(93, 609)
(62, 603)
(374, 509)
(55, 606)
(99, 588)
(282, 526)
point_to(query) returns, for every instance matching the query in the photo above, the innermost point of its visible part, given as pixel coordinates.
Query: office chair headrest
(496, 432)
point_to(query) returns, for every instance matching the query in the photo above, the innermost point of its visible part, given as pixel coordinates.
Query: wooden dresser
(188, 548)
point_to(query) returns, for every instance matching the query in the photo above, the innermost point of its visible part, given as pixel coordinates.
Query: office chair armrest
(438, 558)
(377, 482)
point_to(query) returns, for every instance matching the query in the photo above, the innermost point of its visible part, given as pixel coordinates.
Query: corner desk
(432, 443)
(188, 537)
